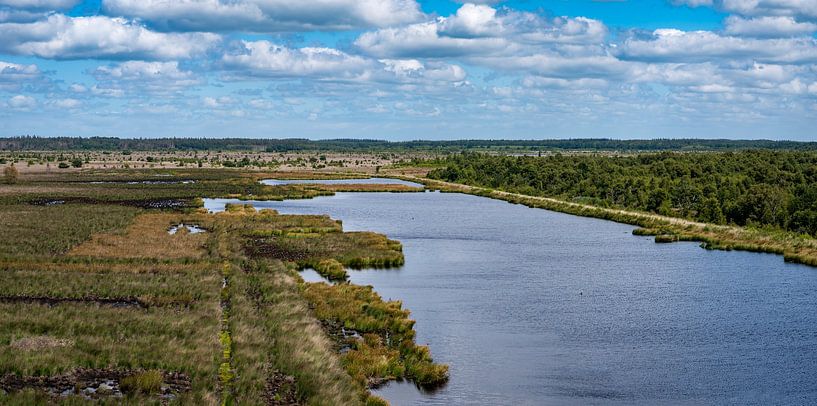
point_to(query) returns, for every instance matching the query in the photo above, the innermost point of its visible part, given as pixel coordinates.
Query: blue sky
(406, 69)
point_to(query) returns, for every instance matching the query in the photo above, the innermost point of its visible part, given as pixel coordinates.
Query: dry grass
(39, 343)
(147, 237)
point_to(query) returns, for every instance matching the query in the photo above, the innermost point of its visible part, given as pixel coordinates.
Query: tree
(10, 174)
(711, 211)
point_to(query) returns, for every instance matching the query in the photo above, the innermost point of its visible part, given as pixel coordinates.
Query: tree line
(33, 143)
(754, 187)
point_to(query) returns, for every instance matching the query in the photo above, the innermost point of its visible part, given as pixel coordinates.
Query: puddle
(192, 229)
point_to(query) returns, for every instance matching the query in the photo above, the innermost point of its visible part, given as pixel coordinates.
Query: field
(117, 286)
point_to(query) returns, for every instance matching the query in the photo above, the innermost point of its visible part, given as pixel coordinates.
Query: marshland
(442, 277)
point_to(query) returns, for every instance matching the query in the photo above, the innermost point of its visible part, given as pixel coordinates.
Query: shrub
(76, 163)
(331, 269)
(10, 174)
(148, 382)
(63, 165)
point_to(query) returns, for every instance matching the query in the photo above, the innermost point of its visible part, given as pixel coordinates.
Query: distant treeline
(755, 187)
(30, 143)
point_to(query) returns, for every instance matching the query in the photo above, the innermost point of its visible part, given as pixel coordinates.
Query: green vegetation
(794, 247)
(147, 382)
(387, 349)
(348, 145)
(98, 298)
(775, 189)
(10, 174)
(331, 269)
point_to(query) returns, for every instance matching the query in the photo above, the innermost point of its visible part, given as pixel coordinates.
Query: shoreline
(794, 248)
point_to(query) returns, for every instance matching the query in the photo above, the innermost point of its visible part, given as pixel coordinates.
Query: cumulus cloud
(263, 58)
(40, 4)
(63, 37)
(157, 77)
(768, 26)
(266, 15)
(68, 103)
(22, 102)
(481, 30)
(671, 45)
(794, 8)
(268, 60)
(804, 8)
(12, 75)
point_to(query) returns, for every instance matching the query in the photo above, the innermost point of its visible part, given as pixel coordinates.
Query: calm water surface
(377, 181)
(534, 307)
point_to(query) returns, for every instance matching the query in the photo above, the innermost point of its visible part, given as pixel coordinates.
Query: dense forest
(30, 143)
(756, 187)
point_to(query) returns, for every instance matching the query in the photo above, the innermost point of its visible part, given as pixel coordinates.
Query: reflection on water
(533, 307)
(311, 276)
(376, 181)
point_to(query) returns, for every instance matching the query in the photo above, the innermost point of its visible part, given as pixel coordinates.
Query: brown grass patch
(37, 343)
(147, 237)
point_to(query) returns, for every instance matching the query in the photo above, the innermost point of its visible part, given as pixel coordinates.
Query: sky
(409, 69)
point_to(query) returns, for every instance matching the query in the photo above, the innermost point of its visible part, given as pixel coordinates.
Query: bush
(147, 382)
(10, 174)
(332, 269)
(76, 163)
(63, 165)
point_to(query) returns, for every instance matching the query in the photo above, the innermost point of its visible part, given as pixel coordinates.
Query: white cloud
(77, 88)
(472, 20)
(267, 60)
(794, 8)
(692, 3)
(218, 102)
(263, 58)
(482, 30)
(768, 26)
(13, 72)
(806, 8)
(40, 4)
(22, 102)
(68, 103)
(156, 77)
(670, 45)
(63, 37)
(266, 15)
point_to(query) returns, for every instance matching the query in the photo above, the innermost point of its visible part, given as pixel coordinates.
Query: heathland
(118, 285)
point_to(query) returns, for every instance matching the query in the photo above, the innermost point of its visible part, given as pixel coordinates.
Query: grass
(147, 382)
(53, 230)
(388, 350)
(331, 269)
(146, 237)
(96, 283)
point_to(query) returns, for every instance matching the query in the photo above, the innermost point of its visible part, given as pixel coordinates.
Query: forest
(33, 143)
(760, 188)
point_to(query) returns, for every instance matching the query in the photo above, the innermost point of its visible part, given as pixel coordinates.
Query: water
(534, 307)
(190, 229)
(376, 181)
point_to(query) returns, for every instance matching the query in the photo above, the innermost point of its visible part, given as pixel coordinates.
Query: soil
(281, 390)
(91, 383)
(53, 301)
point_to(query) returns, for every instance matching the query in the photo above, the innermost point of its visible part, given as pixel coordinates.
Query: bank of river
(536, 307)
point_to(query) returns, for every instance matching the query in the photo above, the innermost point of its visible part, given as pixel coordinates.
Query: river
(532, 307)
